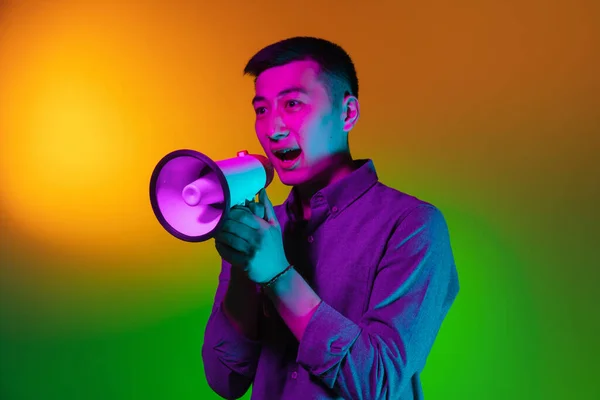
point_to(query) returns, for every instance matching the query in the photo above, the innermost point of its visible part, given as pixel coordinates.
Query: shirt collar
(340, 194)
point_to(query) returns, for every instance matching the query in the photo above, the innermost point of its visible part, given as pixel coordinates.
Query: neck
(341, 166)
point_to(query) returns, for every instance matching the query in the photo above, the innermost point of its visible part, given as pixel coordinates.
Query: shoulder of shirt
(399, 205)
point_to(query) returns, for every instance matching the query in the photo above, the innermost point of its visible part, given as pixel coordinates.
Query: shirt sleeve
(230, 358)
(415, 284)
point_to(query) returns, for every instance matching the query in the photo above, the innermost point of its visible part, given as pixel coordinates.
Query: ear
(350, 112)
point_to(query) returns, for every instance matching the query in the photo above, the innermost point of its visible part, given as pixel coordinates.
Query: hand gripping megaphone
(191, 194)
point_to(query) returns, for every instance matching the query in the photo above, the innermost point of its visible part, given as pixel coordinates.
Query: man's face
(293, 111)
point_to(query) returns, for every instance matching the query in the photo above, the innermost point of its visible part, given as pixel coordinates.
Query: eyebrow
(282, 93)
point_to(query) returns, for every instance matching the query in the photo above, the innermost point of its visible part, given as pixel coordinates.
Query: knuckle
(234, 242)
(248, 219)
(242, 218)
(229, 241)
(226, 225)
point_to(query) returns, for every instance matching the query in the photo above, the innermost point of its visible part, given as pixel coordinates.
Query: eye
(292, 103)
(260, 110)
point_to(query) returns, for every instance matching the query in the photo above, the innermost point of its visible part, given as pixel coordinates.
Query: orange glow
(91, 107)
(93, 95)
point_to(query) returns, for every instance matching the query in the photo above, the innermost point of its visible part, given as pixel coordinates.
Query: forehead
(295, 74)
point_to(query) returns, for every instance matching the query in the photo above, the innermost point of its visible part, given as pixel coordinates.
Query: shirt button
(334, 209)
(294, 375)
(310, 239)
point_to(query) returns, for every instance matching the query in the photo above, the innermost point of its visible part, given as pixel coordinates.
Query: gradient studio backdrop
(487, 109)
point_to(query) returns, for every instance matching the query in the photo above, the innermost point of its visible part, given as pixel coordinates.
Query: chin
(291, 178)
(288, 180)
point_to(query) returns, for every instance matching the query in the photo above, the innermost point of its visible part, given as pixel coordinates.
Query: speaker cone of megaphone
(191, 194)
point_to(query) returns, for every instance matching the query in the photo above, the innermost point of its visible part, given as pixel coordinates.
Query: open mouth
(288, 156)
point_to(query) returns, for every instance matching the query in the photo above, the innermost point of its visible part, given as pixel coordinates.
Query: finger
(231, 255)
(235, 242)
(243, 215)
(258, 209)
(266, 202)
(240, 230)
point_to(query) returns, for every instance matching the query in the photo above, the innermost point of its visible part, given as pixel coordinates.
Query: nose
(275, 127)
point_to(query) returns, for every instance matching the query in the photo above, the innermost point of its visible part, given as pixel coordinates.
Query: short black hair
(337, 67)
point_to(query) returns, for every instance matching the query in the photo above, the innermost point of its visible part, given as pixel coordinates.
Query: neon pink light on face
(293, 109)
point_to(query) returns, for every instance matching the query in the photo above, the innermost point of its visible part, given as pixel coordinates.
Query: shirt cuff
(233, 349)
(328, 337)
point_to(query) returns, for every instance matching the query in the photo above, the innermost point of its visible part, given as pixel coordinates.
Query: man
(339, 292)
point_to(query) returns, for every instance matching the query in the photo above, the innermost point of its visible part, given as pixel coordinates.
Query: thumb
(269, 211)
(257, 209)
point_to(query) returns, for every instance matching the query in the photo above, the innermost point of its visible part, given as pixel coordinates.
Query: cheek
(304, 119)
(258, 127)
(317, 138)
(264, 144)
(303, 125)
(261, 133)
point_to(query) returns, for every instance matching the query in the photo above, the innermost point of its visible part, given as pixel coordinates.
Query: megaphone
(191, 194)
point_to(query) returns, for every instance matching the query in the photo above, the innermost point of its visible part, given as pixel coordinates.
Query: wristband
(276, 277)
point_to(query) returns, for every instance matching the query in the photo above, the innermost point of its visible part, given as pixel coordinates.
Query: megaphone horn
(191, 194)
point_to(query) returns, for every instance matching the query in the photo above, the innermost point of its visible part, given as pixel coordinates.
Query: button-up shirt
(382, 263)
